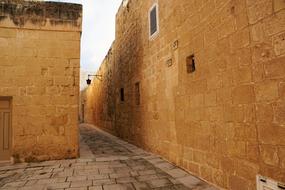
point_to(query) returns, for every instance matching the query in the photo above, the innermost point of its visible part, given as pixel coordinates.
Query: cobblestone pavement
(106, 163)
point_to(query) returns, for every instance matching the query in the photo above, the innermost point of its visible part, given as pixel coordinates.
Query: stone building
(202, 83)
(39, 80)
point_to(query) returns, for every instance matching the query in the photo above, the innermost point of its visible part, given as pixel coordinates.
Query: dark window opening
(122, 94)
(153, 21)
(137, 93)
(190, 64)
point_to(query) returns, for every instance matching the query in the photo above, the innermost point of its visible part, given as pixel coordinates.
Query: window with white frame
(153, 21)
(125, 3)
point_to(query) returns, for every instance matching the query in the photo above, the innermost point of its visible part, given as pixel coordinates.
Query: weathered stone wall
(224, 122)
(39, 69)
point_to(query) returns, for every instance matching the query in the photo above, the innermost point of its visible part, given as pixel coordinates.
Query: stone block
(279, 113)
(279, 44)
(240, 39)
(156, 183)
(8, 33)
(237, 183)
(258, 10)
(268, 130)
(82, 183)
(275, 69)
(278, 5)
(243, 94)
(269, 155)
(266, 91)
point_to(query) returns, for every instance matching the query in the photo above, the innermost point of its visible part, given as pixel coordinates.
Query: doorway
(5, 128)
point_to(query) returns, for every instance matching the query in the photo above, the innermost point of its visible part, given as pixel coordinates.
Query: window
(190, 64)
(125, 3)
(153, 21)
(137, 93)
(122, 95)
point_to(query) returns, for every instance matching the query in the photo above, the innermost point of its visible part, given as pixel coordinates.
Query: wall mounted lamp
(88, 81)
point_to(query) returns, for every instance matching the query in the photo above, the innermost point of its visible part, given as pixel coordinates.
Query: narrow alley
(106, 163)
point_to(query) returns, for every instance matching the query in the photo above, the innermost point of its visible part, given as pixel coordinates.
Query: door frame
(10, 99)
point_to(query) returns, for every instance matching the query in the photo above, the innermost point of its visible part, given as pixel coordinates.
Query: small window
(122, 95)
(137, 93)
(153, 21)
(190, 64)
(125, 3)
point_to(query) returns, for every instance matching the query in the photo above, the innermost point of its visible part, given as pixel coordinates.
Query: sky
(98, 31)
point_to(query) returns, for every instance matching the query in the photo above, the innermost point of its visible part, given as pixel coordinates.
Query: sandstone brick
(279, 113)
(259, 10)
(206, 173)
(243, 94)
(275, 68)
(269, 155)
(278, 5)
(266, 91)
(253, 152)
(281, 155)
(279, 44)
(247, 170)
(242, 75)
(274, 25)
(219, 178)
(8, 33)
(193, 167)
(237, 183)
(240, 39)
(281, 90)
(268, 130)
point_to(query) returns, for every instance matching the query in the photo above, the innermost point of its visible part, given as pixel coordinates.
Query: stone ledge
(38, 14)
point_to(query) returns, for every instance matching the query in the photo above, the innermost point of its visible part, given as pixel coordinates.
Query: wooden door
(5, 129)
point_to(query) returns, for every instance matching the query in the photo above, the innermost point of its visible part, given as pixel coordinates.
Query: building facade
(39, 80)
(201, 83)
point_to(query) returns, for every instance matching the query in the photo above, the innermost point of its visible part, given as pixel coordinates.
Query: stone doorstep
(5, 163)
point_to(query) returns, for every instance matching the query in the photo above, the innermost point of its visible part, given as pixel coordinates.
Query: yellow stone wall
(226, 121)
(39, 69)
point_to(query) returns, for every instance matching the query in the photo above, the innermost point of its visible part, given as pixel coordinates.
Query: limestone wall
(225, 121)
(39, 69)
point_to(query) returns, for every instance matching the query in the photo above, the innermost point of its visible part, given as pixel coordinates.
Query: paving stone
(190, 181)
(33, 187)
(99, 176)
(52, 180)
(83, 183)
(177, 173)
(85, 172)
(126, 180)
(147, 172)
(120, 175)
(15, 184)
(103, 182)
(77, 188)
(58, 185)
(106, 170)
(31, 182)
(118, 187)
(77, 178)
(134, 173)
(96, 188)
(159, 183)
(149, 177)
(141, 186)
